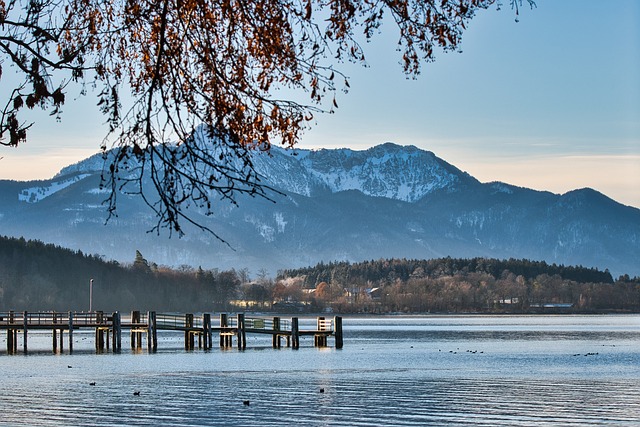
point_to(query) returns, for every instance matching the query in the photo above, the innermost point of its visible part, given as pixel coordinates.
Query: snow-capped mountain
(388, 170)
(388, 201)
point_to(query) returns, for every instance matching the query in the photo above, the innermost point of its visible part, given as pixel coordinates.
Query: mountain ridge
(338, 205)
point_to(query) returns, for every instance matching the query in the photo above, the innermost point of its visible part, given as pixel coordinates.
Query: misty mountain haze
(385, 202)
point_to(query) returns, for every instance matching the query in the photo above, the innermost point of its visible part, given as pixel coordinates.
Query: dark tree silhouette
(164, 68)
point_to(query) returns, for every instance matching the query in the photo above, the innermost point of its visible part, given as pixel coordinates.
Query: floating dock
(109, 328)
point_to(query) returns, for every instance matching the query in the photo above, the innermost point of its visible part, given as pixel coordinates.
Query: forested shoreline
(476, 285)
(38, 276)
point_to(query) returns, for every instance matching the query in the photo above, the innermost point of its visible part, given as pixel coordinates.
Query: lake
(392, 371)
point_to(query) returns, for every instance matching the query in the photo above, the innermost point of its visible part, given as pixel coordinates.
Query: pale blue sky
(551, 102)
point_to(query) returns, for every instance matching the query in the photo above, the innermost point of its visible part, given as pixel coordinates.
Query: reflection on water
(403, 371)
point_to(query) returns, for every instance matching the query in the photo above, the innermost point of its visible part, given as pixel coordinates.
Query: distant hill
(35, 276)
(338, 205)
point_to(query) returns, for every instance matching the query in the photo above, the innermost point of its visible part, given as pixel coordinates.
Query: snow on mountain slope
(36, 194)
(388, 170)
(391, 171)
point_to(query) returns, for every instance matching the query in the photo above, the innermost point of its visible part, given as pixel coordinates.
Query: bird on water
(246, 402)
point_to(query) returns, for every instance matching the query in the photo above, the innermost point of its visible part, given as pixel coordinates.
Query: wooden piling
(226, 335)
(152, 334)
(55, 338)
(14, 341)
(99, 331)
(70, 333)
(9, 341)
(242, 336)
(188, 335)
(223, 325)
(139, 333)
(11, 336)
(275, 338)
(9, 333)
(25, 318)
(206, 326)
(132, 334)
(295, 333)
(117, 331)
(136, 337)
(337, 331)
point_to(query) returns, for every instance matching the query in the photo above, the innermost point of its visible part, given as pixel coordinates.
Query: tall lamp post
(90, 295)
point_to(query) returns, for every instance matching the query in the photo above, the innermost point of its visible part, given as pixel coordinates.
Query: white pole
(90, 295)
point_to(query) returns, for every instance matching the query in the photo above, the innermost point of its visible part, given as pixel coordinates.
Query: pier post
(275, 339)
(295, 333)
(135, 319)
(225, 338)
(60, 317)
(155, 332)
(139, 332)
(206, 326)
(25, 322)
(337, 330)
(12, 335)
(70, 333)
(132, 334)
(149, 330)
(152, 335)
(117, 332)
(55, 332)
(188, 335)
(242, 336)
(99, 331)
(61, 335)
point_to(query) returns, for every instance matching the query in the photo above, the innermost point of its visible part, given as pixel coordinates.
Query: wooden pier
(109, 328)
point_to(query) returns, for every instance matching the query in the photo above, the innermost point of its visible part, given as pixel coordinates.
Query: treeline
(389, 270)
(36, 276)
(465, 285)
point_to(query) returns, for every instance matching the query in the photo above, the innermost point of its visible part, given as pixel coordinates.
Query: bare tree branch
(200, 80)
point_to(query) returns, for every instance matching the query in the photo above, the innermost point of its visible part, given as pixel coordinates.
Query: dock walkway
(109, 328)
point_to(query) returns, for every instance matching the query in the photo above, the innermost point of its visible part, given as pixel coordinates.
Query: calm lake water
(392, 371)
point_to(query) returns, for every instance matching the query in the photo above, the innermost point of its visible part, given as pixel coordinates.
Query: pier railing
(325, 324)
(178, 322)
(264, 324)
(46, 319)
